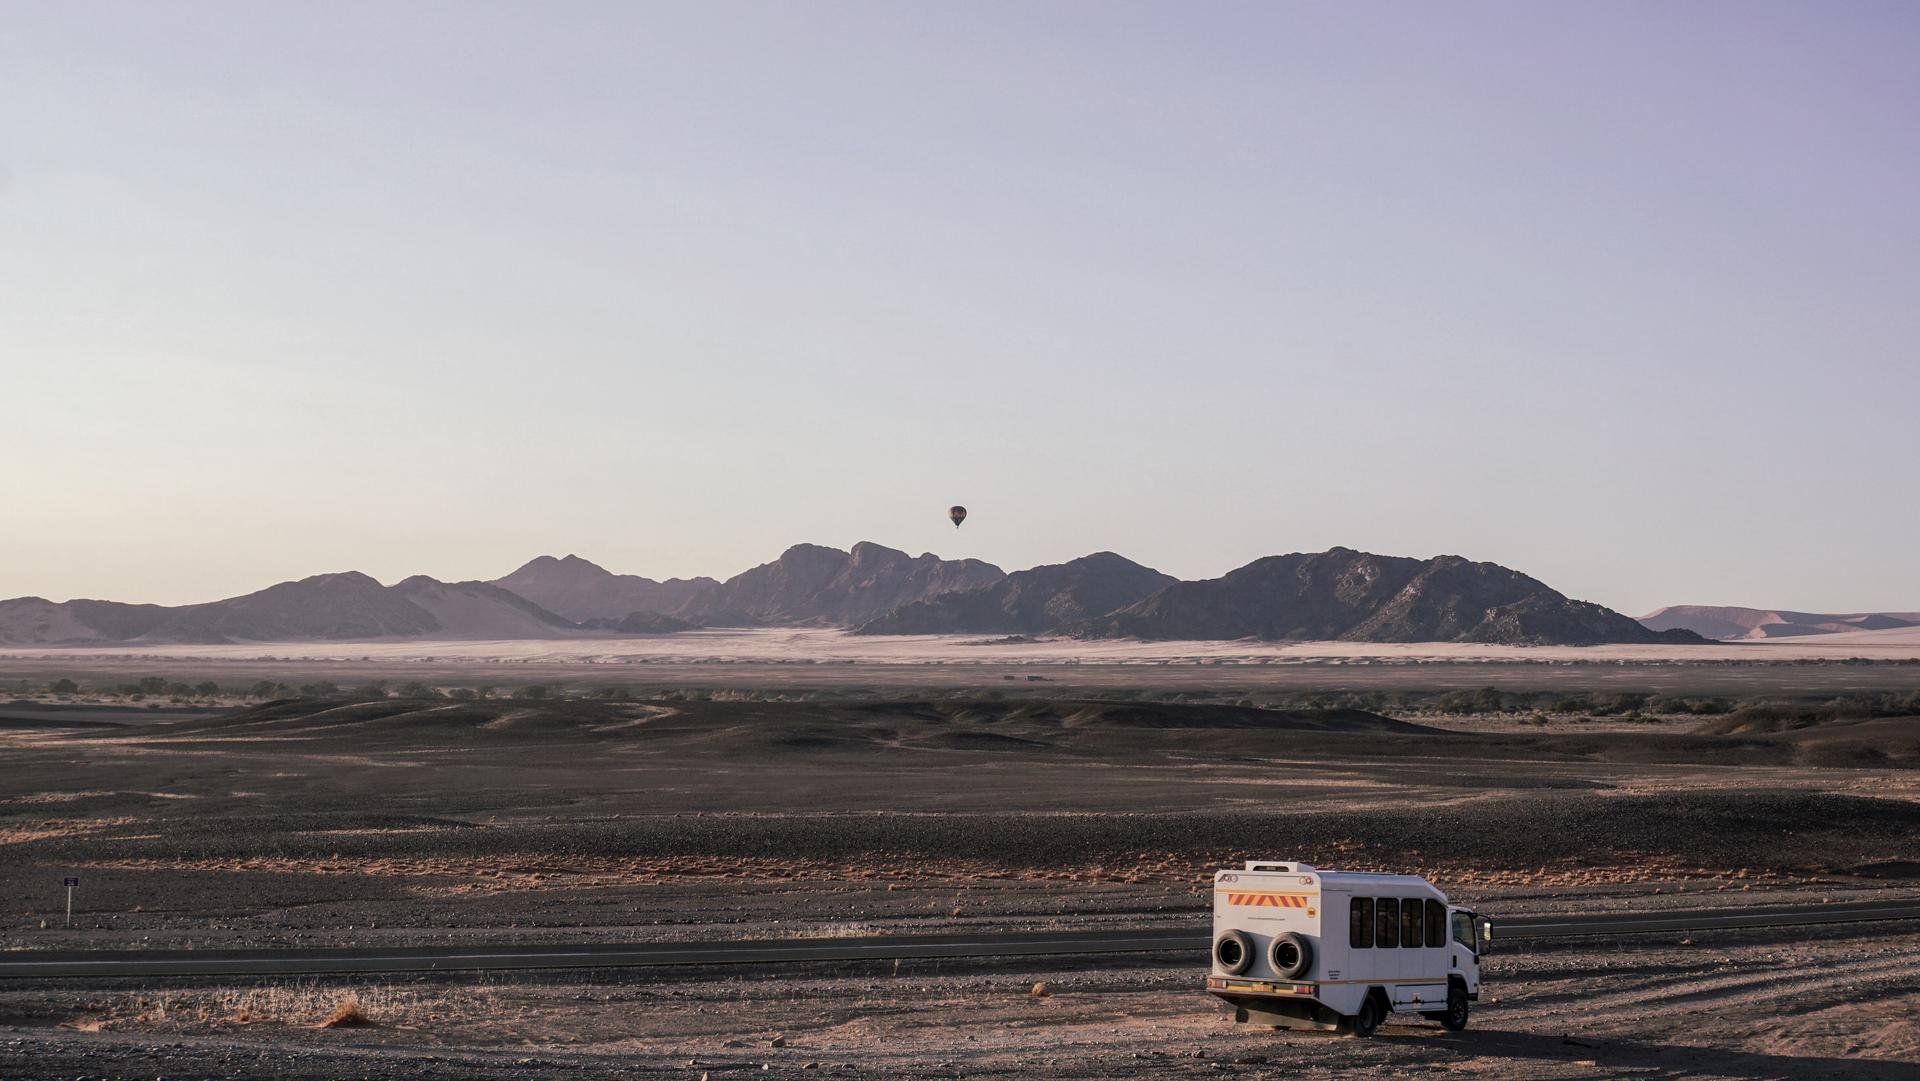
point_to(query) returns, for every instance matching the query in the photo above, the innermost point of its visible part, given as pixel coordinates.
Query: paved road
(70, 963)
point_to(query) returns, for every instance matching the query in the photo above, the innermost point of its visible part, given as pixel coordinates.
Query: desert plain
(425, 794)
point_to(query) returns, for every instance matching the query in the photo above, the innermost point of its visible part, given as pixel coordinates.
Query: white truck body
(1302, 947)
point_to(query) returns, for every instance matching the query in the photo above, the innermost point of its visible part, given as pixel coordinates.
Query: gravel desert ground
(857, 810)
(1743, 1006)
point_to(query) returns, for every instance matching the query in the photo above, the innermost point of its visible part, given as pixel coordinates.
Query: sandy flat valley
(821, 645)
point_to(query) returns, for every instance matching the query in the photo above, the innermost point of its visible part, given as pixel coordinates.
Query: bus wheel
(1456, 1016)
(1368, 1018)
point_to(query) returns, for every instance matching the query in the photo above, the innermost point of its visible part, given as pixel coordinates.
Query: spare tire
(1233, 952)
(1291, 955)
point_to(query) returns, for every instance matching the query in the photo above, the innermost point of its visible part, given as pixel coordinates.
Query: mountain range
(1733, 624)
(1340, 594)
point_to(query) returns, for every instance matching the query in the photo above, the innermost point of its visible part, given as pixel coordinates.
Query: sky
(1621, 295)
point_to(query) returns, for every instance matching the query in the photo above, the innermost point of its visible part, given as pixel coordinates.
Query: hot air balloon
(958, 514)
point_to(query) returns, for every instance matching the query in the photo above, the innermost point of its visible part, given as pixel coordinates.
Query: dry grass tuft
(305, 1004)
(346, 1014)
(841, 930)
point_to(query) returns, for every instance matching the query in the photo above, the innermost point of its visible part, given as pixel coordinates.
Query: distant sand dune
(1729, 623)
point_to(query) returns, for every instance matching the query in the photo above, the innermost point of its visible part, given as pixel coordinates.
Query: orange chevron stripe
(1268, 899)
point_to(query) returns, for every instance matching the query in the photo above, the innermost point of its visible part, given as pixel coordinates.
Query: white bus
(1299, 947)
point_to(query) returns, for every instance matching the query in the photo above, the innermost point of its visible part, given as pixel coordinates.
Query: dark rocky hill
(582, 590)
(1346, 595)
(811, 584)
(1047, 598)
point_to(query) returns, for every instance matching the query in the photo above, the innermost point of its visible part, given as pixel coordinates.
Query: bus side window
(1360, 922)
(1413, 923)
(1387, 925)
(1463, 930)
(1436, 924)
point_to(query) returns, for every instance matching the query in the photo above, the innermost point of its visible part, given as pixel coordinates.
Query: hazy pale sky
(1626, 296)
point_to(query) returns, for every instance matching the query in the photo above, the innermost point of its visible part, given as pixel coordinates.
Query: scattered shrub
(346, 1013)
